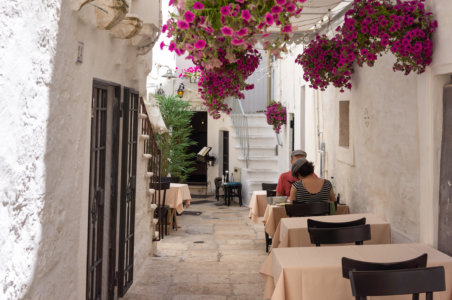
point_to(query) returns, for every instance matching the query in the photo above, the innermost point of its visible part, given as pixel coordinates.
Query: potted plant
(276, 115)
(174, 145)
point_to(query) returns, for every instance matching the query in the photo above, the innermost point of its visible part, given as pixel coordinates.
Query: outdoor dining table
(258, 204)
(315, 273)
(293, 232)
(177, 195)
(274, 213)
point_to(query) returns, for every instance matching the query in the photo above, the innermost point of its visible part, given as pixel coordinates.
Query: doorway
(445, 188)
(104, 153)
(199, 135)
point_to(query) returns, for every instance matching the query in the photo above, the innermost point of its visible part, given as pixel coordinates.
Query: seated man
(286, 179)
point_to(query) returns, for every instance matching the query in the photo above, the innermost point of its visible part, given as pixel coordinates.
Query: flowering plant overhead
(192, 72)
(371, 28)
(326, 61)
(404, 28)
(218, 33)
(276, 115)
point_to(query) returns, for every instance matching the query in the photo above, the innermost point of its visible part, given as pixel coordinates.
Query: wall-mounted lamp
(169, 74)
(180, 90)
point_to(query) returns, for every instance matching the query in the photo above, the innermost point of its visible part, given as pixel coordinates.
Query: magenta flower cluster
(216, 34)
(228, 81)
(276, 115)
(192, 72)
(371, 28)
(326, 61)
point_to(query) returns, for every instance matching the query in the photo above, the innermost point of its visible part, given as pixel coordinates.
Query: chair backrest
(397, 282)
(353, 234)
(271, 193)
(320, 224)
(307, 208)
(217, 181)
(269, 186)
(349, 264)
(174, 179)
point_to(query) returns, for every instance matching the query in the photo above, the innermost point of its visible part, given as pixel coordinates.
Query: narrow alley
(215, 255)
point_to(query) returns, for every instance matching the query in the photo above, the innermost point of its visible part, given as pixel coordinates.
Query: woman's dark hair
(306, 169)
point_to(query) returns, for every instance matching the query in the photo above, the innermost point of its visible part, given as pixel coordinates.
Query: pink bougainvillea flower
(224, 10)
(182, 24)
(226, 30)
(246, 15)
(198, 5)
(237, 41)
(286, 28)
(171, 2)
(162, 44)
(164, 28)
(281, 2)
(239, 1)
(189, 16)
(200, 44)
(171, 46)
(276, 9)
(242, 32)
(266, 34)
(260, 26)
(269, 19)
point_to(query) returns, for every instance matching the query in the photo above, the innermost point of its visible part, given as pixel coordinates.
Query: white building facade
(391, 159)
(64, 68)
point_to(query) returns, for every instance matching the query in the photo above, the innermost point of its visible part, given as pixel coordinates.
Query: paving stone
(224, 266)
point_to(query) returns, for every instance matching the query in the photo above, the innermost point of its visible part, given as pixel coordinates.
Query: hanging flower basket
(371, 28)
(327, 61)
(374, 27)
(216, 35)
(276, 115)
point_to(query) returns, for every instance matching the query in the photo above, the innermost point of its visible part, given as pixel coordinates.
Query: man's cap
(298, 153)
(296, 166)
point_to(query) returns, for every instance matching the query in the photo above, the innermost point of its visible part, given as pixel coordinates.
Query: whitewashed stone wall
(392, 165)
(44, 153)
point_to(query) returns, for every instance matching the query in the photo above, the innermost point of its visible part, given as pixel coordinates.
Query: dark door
(226, 154)
(199, 135)
(96, 193)
(445, 188)
(128, 187)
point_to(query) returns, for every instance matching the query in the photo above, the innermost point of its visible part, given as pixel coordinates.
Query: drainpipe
(269, 79)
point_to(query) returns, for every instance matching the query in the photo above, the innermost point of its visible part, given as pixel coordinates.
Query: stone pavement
(214, 256)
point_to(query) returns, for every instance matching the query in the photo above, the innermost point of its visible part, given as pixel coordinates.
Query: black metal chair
(231, 190)
(397, 282)
(307, 209)
(174, 179)
(162, 209)
(349, 264)
(320, 224)
(270, 188)
(218, 186)
(353, 234)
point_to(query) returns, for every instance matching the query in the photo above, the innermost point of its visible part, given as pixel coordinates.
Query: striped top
(303, 195)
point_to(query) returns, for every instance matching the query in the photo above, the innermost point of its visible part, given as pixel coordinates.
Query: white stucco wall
(392, 165)
(45, 128)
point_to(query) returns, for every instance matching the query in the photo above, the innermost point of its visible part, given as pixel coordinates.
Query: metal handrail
(240, 123)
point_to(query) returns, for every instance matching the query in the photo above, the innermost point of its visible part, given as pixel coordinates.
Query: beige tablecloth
(308, 273)
(258, 205)
(177, 195)
(274, 213)
(293, 232)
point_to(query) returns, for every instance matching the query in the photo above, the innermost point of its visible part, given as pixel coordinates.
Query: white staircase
(263, 161)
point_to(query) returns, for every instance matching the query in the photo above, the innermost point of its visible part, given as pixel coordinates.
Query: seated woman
(310, 187)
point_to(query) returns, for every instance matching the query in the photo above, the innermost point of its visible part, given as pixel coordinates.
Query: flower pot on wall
(110, 12)
(127, 28)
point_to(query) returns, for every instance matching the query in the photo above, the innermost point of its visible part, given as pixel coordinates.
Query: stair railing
(240, 124)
